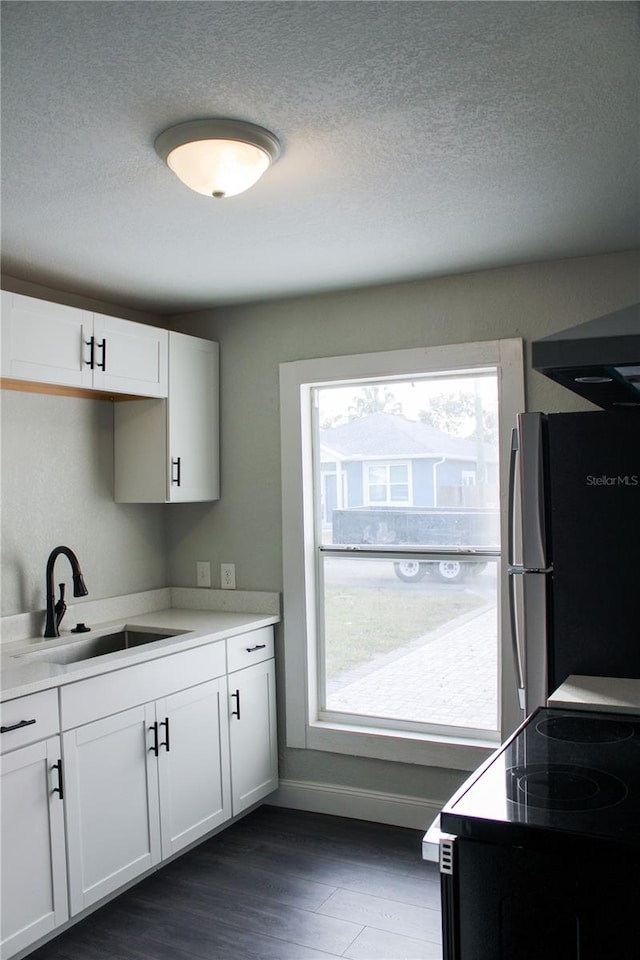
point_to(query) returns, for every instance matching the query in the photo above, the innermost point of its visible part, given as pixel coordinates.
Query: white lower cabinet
(253, 734)
(142, 784)
(151, 758)
(34, 878)
(193, 764)
(112, 805)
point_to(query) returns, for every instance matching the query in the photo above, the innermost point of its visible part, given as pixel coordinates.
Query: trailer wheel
(450, 571)
(409, 570)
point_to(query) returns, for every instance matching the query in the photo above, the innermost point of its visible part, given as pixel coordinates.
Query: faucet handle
(60, 607)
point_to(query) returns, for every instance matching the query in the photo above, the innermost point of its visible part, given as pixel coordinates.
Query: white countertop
(613, 694)
(27, 675)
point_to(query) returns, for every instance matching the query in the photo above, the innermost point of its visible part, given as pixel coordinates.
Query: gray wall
(57, 488)
(244, 527)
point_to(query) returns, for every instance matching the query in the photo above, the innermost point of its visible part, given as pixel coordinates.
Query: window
(392, 472)
(387, 483)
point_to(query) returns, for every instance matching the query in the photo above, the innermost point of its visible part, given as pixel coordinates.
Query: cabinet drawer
(127, 687)
(248, 648)
(27, 719)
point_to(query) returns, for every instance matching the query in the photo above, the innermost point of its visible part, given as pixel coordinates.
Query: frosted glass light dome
(218, 158)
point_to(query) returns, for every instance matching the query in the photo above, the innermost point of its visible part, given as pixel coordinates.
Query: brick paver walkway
(447, 677)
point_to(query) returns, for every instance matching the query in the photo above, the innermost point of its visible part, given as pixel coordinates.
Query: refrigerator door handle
(513, 570)
(515, 639)
(513, 463)
(530, 453)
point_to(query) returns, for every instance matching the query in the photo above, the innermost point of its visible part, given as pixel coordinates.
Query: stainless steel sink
(91, 647)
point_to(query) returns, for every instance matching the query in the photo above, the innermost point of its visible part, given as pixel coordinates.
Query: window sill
(429, 750)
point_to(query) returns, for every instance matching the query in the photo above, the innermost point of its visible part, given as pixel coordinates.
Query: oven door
(572, 902)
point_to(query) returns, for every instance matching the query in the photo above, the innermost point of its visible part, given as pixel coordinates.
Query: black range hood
(599, 359)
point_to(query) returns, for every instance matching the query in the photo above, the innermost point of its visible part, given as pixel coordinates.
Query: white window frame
(304, 730)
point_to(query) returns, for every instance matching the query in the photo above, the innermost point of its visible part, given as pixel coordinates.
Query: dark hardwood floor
(277, 885)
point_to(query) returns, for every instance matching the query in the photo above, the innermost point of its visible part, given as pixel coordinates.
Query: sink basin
(90, 647)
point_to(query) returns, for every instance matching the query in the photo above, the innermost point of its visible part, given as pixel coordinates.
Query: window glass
(407, 551)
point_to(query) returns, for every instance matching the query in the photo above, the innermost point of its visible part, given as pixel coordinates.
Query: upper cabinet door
(193, 419)
(129, 357)
(169, 452)
(59, 345)
(45, 342)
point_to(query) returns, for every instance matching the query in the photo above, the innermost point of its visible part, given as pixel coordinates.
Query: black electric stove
(542, 857)
(564, 772)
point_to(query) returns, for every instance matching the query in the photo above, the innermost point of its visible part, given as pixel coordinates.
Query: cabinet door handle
(236, 712)
(92, 345)
(165, 743)
(17, 726)
(156, 745)
(176, 471)
(59, 789)
(103, 346)
(258, 646)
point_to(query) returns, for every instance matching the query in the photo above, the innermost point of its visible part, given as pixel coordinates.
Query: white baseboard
(356, 803)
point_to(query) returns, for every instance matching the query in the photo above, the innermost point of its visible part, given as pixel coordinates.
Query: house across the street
(386, 460)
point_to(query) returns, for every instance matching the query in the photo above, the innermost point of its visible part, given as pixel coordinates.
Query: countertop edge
(200, 627)
(614, 694)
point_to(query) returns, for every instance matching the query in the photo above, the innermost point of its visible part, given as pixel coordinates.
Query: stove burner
(585, 729)
(560, 786)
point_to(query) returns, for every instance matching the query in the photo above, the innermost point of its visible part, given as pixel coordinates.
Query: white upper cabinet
(45, 342)
(193, 419)
(129, 357)
(55, 344)
(168, 452)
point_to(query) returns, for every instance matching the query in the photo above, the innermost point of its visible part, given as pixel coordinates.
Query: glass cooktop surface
(577, 773)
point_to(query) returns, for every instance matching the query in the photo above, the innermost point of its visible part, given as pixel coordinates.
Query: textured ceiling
(418, 139)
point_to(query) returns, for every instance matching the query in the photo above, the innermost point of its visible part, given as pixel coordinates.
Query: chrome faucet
(56, 611)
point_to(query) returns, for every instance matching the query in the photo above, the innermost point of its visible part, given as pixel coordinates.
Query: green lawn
(361, 622)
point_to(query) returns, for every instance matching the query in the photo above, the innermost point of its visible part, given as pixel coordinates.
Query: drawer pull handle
(176, 471)
(236, 713)
(165, 743)
(258, 646)
(17, 726)
(92, 346)
(59, 789)
(156, 745)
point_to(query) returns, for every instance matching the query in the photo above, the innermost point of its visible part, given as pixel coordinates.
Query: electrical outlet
(203, 573)
(228, 576)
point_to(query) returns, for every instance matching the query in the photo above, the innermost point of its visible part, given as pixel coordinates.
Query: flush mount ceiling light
(217, 157)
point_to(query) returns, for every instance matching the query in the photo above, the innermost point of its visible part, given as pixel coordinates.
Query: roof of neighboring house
(382, 435)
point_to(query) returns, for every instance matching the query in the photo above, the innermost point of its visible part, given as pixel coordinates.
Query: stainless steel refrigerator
(574, 549)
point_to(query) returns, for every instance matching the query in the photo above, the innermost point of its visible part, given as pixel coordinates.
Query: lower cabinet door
(193, 764)
(252, 734)
(34, 878)
(112, 803)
